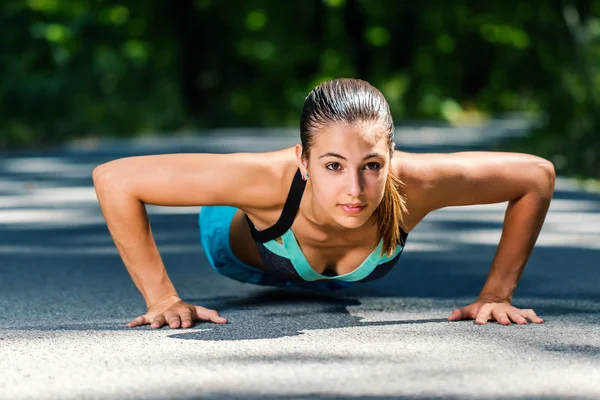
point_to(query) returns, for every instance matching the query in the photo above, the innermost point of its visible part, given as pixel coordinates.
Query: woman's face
(348, 167)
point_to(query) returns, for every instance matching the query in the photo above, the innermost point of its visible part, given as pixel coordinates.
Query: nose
(355, 185)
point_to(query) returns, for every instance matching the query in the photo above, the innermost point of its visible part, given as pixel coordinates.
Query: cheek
(327, 193)
(375, 186)
(376, 194)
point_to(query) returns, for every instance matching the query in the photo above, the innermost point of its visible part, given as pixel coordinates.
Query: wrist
(489, 297)
(497, 290)
(154, 302)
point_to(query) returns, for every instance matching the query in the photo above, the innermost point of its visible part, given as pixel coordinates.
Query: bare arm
(525, 181)
(125, 185)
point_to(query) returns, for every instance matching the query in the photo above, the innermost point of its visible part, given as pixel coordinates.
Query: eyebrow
(330, 154)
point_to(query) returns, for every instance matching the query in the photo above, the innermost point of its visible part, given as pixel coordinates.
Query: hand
(484, 310)
(176, 313)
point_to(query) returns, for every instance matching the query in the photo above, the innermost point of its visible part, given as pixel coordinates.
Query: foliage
(79, 68)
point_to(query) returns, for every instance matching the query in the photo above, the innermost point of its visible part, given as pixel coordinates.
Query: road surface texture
(66, 297)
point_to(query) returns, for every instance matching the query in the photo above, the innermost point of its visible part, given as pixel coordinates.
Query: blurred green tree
(78, 68)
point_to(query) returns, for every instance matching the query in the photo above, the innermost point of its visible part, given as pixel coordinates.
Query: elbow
(100, 174)
(110, 181)
(104, 175)
(547, 177)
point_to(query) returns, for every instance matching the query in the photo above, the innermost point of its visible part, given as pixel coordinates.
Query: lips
(352, 208)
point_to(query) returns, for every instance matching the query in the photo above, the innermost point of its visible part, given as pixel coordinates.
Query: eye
(333, 164)
(374, 166)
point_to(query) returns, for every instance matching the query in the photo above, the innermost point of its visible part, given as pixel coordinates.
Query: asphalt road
(65, 298)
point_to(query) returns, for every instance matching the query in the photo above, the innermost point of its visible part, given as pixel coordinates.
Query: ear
(301, 161)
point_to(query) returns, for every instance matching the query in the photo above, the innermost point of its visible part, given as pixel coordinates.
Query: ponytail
(390, 214)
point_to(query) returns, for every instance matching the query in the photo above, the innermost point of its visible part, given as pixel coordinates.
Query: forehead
(361, 135)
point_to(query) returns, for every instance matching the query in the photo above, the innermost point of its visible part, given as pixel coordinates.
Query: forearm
(522, 224)
(129, 226)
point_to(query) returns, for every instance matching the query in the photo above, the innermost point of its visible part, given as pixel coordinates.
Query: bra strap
(290, 209)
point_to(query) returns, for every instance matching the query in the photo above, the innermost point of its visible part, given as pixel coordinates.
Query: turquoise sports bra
(286, 261)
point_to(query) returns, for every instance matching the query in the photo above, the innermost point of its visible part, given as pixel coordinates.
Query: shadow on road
(279, 313)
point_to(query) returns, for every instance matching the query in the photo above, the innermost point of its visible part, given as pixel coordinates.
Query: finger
(159, 321)
(186, 319)
(516, 317)
(209, 315)
(501, 317)
(532, 316)
(141, 320)
(173, 320)
(483, 316)
(457, 315)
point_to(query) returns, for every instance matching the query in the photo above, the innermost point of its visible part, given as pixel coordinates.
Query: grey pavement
(65, 297)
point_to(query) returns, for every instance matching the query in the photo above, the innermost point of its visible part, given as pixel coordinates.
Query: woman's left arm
(525, 181)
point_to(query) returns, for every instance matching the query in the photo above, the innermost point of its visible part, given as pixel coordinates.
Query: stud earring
(305, 177)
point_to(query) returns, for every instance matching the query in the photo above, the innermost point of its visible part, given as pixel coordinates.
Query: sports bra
(286, 261)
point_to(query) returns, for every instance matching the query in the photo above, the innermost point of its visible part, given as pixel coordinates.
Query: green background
(122, 68)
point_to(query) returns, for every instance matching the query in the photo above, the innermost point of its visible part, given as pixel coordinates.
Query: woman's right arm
(123, 187)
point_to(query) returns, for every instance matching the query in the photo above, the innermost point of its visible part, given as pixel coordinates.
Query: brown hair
(350, 101)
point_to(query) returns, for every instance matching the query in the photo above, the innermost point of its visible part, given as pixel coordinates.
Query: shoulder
(278, 170)
(436, 180)
(271, 191)
(408, 167)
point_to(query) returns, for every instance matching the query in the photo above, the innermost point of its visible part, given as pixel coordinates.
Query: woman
(329, 213)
